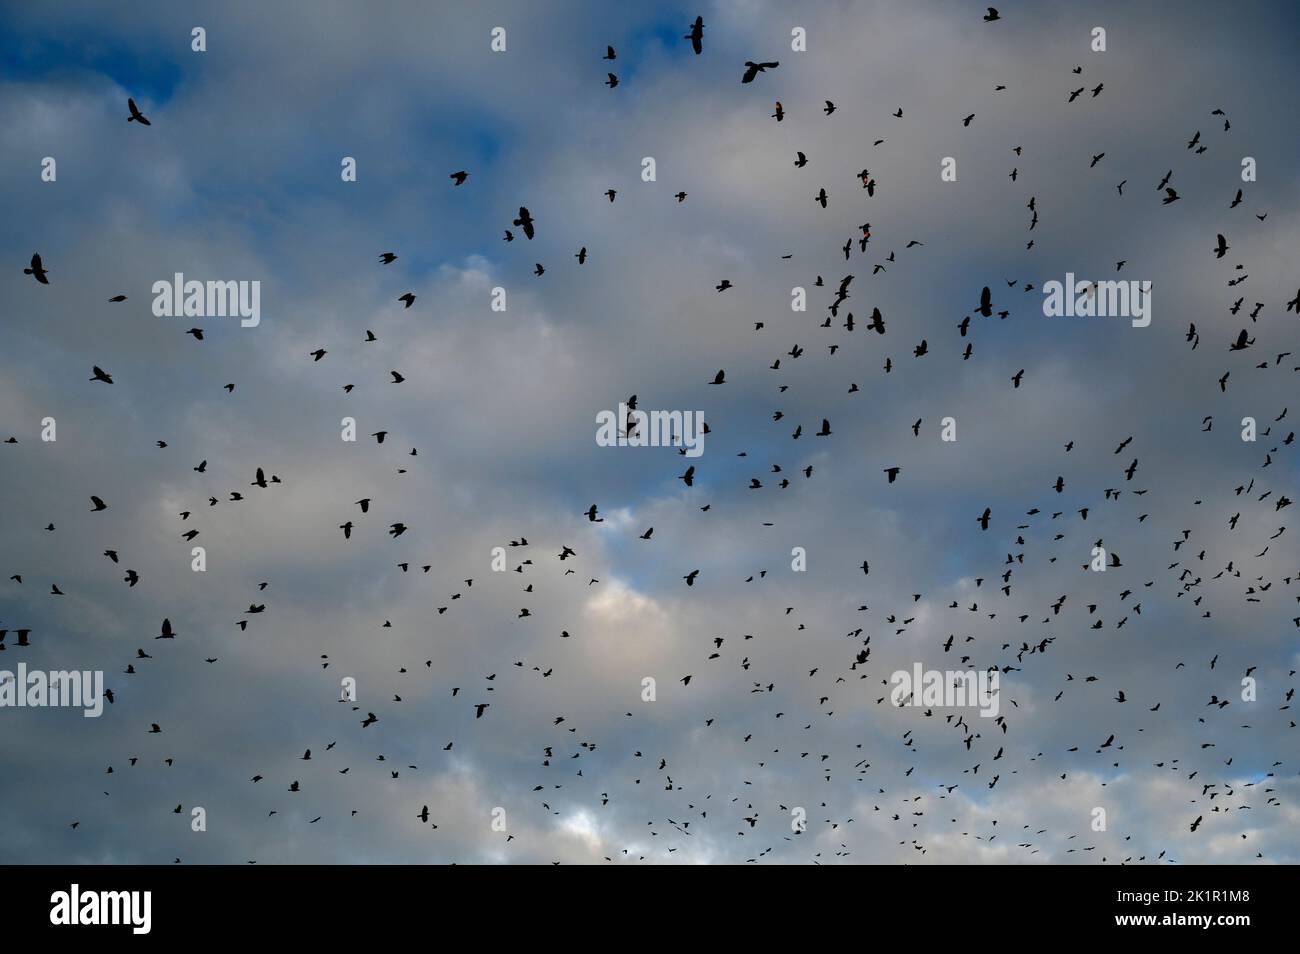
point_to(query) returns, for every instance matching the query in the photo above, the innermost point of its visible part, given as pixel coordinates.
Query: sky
(490, 436)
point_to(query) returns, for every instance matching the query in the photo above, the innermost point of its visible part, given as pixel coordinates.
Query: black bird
(460, 177)
(991, 15)
(525, 222)
(696, 36)
(752, 69)
(37, 271)
(136, 115)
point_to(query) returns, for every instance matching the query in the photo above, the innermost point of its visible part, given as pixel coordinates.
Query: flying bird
(37, 270)
(525, 222)
(136, 115)
(752, 69)
(696, 36)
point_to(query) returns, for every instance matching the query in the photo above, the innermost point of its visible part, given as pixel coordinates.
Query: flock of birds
(989, 752)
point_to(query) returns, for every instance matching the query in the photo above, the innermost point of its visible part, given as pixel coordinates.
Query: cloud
(238, 178)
